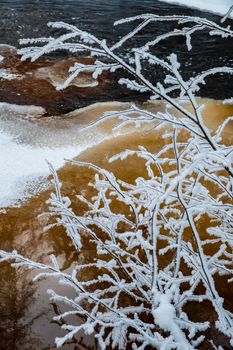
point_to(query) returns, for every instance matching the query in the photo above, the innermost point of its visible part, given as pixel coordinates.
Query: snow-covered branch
(156, 256)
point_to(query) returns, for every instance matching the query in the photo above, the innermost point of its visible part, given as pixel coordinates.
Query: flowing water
(38, 122)
(28, 18)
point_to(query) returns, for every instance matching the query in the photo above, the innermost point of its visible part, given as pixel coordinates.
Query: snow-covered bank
(27, 141)
(23, 167)
(219, 7)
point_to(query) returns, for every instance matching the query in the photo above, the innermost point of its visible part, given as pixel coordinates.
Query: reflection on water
(25, 312)
(16, 295)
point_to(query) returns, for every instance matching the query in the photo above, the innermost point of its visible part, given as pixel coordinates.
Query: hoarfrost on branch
(155, 254)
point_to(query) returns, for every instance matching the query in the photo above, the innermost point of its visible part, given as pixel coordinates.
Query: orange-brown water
(25, 312)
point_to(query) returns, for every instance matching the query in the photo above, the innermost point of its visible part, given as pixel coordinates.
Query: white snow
(26, 142)
(22, 166)
(7, 108)
(228, 101)
(219, 7)
(25, 146)
(7, 74)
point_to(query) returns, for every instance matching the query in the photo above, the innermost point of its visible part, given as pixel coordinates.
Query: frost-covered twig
(153, 258)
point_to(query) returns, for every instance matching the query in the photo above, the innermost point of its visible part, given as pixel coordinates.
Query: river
(36, 122)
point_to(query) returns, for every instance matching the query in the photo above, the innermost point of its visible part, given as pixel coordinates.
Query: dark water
(29, 18)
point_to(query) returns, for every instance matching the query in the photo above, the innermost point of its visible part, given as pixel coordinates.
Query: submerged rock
(36, 83)
(57, 73)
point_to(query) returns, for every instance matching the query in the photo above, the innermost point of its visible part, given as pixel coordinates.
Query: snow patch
(26, 142)
(7, 74)
(21, 109)
(25, 146)
(214, 6)
(24, 168)
(228, 101)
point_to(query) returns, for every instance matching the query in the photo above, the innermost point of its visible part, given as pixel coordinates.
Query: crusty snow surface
(24, 148)
(216, 6)
(22, 166)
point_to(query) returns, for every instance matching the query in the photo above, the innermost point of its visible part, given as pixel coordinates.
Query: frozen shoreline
(26, 143)
(214, 6)
(24, 169)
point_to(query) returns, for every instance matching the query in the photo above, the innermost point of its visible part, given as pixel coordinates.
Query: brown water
(25, 312)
